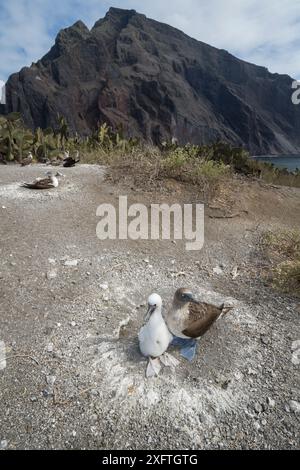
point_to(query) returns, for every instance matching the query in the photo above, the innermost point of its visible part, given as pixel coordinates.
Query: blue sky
(265, 32)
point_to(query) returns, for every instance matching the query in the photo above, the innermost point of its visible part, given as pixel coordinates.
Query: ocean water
(290, 162)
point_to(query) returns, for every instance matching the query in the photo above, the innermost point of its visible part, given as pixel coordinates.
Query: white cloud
(266, 32)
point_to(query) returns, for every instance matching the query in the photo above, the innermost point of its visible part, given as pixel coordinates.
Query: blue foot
(188, 347)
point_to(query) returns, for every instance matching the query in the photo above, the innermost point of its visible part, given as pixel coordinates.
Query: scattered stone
(258, 408)
(50, 347)
(3, 207)
(234, 273)
(225, 384)
(265, 339)
(71, 263)
(51, 260)
(146, 261)
(218, 270)
(287, 408)
(251, 371)
(3, 444)
(256, 425)
(51, 274)
(73, 323)
(296, 352)
(294, 406)
(103, 286)
(50, 379)
(271, 402)
(295, 345)
(33, 399)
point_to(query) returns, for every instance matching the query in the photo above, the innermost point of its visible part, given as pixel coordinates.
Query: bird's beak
(194, 301)
(149, 312)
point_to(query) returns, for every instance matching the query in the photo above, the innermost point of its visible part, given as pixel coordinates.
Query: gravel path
(71, 307)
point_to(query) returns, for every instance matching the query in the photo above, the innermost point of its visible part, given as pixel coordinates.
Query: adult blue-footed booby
(188, 319)
(154, 338)
(49, 182)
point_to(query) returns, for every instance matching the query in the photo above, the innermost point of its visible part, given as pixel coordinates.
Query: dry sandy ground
(74, 377)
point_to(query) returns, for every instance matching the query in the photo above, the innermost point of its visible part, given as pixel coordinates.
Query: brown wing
(44, 183)
(201, 317)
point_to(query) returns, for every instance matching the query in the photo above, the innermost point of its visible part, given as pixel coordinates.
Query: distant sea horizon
(289, 161)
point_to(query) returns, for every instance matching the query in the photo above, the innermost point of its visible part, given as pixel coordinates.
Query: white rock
(256, 425)
(50, 347)
(51, 260)
(3, 444)
(50, 379)
(234, 273)
(146, 261)
(3, 207)
(71, 263)
(218, 270)
(103, 286)
(73, 323)
(51, 274)
(294, 406)
(271, 402)
(296, 345)
(296, 352)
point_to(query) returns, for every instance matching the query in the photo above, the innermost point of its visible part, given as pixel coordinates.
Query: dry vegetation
(282, 248)
(205, 167)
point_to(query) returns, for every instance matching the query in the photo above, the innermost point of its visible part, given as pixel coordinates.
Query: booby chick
(154, 338)
(49, 182)
(188, 319)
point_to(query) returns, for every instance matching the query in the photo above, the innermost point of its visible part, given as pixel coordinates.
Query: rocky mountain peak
(158, 83)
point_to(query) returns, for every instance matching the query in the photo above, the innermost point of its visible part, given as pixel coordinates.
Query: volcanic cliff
(157, 83)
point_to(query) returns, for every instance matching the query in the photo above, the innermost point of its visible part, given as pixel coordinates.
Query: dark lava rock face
(158, 83)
